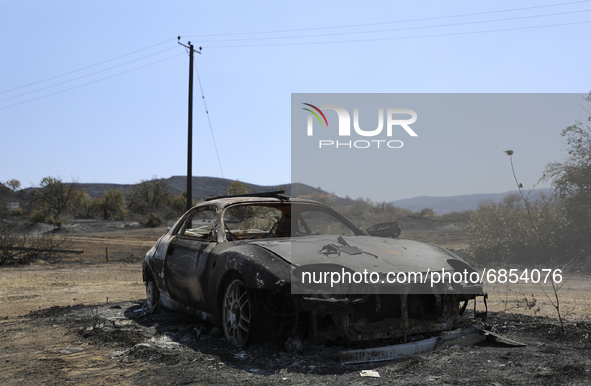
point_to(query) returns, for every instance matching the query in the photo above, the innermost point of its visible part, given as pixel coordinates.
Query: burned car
(254, 263)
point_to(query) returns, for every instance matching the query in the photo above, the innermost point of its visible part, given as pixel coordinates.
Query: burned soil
(121, 343)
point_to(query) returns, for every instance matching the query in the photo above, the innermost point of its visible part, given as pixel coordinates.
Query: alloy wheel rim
(237, 313)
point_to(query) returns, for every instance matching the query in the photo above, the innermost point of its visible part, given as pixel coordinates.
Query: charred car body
(241, 263)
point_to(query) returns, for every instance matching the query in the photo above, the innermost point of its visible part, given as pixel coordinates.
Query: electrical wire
(305, 43)
(397, 29)
(89, 83)
(87, 75)
(401, 37)
(208, 120)
(324, 42)
(395, 21)
(87, 67)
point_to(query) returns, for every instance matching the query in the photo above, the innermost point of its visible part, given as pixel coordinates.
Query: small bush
(153, 220)
(37, 216)
(427, 212)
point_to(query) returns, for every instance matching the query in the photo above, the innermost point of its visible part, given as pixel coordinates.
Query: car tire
(238, 313)
(152, 296)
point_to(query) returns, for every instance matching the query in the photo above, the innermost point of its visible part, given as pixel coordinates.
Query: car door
(187, 255)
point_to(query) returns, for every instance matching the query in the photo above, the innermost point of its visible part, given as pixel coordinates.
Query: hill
(203, 187)
(443, 205)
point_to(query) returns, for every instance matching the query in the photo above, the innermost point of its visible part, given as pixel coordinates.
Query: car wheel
(238, 313)
(152, 296)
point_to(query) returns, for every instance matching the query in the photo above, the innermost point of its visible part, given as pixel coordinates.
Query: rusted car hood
(362, 252)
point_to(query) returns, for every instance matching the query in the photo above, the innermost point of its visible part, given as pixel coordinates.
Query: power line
(395, 21)
(87, 67)
(208, 120)
(326, 42)
(89, 83)
(402, 37)
(307, 43)
(399, 29)
(86, 76)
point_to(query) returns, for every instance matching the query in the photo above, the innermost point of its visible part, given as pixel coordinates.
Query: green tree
(148, 196)
(94, 207)
(244, 212)
(13, 184)
(236, 188)
(55, 199)
(113, 204)
(84, 205)
(179, 203)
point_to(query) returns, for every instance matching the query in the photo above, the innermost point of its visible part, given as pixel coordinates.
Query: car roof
(266, 197)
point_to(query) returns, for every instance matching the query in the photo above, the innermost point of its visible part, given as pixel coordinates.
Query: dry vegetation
(80, 278)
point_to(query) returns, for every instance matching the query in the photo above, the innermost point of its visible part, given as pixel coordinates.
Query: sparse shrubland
(552, 230)
(502, 233)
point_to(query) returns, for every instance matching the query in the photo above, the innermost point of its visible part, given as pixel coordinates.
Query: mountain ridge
(204, 187)
(446, 204)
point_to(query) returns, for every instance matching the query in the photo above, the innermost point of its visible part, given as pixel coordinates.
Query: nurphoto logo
(344, 127)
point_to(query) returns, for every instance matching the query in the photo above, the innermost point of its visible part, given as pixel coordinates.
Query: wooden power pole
(192, 51)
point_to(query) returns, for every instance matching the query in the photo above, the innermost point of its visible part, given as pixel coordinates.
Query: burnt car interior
(245, 222)
(205, 221)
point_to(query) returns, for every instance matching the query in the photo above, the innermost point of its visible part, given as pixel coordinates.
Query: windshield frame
(291, 208)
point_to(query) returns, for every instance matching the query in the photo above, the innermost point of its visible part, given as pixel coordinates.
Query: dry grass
(121, 245)
(88, 279)
(531, 299)
(85, 278)
(26, 289)
(574, 296)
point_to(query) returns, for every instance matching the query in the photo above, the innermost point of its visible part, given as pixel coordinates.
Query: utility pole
(190, 136)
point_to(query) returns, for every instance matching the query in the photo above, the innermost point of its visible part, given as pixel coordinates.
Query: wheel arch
(258, 267)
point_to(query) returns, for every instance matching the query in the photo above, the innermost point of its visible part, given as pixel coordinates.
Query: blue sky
(119, 114)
